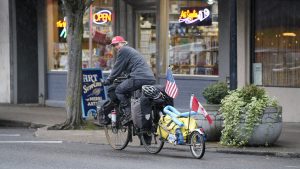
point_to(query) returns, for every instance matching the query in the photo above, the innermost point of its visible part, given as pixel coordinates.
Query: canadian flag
(197, 107)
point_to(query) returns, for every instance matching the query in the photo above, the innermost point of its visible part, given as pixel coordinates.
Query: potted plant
(251, 117)
(213, 95)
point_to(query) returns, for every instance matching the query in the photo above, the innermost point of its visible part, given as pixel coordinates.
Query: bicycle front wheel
(118, 136)
(197, 144)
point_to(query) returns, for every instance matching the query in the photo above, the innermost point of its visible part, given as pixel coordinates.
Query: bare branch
(88, 4)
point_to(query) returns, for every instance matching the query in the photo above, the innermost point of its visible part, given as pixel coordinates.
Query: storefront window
(147, 38)
(96, 51)
(193, 33)
(276, 39)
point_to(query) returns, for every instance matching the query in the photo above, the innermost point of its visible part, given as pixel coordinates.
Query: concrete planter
(269, 129)
(213, 131)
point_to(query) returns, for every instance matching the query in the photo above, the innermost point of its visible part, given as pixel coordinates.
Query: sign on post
(92, 91)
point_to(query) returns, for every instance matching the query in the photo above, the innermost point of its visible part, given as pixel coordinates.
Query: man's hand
(106, 82)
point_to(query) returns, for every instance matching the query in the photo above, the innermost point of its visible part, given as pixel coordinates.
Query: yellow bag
(187, 127)
(167, 126)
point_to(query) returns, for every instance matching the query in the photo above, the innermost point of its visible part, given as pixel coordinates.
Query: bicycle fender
(198, 130)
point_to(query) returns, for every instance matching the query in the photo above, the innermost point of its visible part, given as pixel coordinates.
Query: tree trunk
(74, 10)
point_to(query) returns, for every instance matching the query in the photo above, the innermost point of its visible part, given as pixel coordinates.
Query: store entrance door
(146, 37)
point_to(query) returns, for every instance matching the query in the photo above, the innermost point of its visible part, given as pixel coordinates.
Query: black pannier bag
(104, 108)
(141, 112)
(158, 99)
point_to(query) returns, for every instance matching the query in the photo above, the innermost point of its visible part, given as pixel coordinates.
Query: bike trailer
(168, 126)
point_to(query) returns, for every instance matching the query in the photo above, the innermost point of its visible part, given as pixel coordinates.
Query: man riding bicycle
(128, 61)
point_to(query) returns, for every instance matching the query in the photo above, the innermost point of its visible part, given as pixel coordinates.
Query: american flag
(171, 88)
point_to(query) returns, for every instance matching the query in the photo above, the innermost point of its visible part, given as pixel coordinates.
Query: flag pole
(191, 102)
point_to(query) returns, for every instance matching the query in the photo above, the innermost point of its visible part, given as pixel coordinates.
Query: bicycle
(153, 140)
(119, 136)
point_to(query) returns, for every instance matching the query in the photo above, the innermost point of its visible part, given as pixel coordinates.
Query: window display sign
(102, 17)
(92, 91)
(257, 73)
(196, 16)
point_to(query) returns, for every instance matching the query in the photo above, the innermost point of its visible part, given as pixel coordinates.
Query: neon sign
(199, 16)
(62, 24)
(102, 17)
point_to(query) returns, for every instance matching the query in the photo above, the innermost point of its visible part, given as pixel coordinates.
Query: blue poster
(92, 91)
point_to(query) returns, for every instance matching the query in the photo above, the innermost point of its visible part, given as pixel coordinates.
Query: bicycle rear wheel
(153, 142)
(118, 136)
(197, 146)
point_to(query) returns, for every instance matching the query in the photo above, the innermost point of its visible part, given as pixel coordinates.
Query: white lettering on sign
(87, 88)
(90, 78)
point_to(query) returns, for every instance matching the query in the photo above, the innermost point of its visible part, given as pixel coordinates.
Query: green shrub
(246, 104)
(215, 93)
(250, 91)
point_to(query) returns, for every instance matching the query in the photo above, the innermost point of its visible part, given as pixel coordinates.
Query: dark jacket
(131, 62)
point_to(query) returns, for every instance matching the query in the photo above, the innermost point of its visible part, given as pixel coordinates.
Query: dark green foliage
(250, 91)
(215, 93)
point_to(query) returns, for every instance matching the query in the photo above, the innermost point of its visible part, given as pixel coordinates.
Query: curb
(260, 153)
(12, 123)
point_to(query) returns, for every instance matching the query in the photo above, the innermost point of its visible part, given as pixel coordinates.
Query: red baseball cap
(117, 39)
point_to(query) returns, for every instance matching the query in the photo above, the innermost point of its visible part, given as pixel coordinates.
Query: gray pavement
(288, 144)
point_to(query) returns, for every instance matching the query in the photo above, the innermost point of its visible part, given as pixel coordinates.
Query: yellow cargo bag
(167, 126)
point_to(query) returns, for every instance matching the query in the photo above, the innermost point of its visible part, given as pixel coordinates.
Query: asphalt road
(19, 149)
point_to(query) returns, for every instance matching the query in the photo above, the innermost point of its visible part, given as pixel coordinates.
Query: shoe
(148, 139)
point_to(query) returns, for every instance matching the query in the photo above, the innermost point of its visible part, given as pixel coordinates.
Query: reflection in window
(147, 37)
(193, 32)
(277, 38)
(97, 54)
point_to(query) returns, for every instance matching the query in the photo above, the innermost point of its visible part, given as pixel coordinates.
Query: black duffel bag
(104, 108)
(141, 109)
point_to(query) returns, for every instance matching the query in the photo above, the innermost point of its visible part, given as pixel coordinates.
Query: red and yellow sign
(102, 17)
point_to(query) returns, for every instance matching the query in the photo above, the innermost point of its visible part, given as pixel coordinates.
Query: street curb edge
(12, 123)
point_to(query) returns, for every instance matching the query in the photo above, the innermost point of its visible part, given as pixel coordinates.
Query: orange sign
(61, 24)
(102, 17)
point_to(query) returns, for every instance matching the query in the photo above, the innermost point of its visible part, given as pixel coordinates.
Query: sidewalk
(288, 144)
